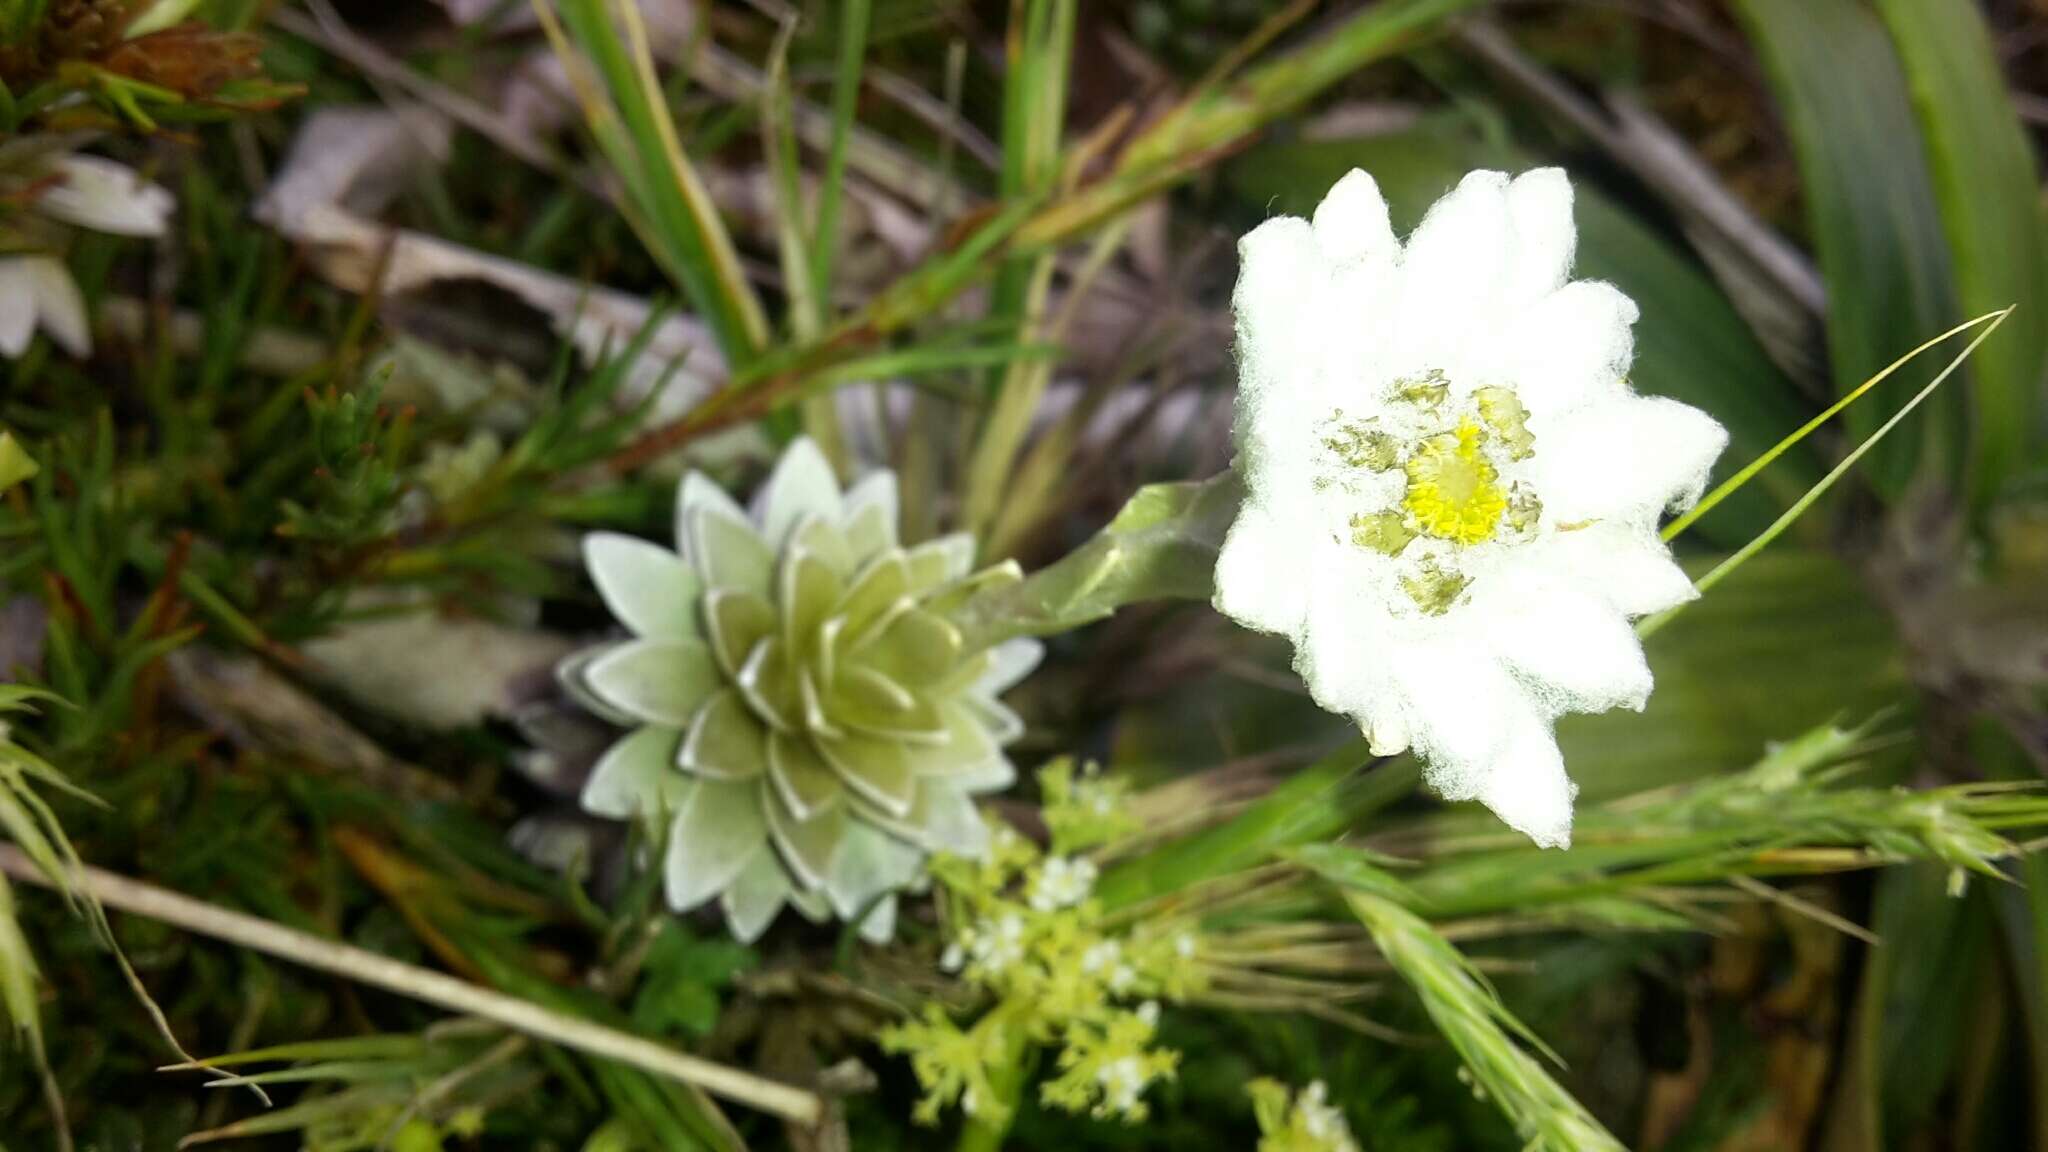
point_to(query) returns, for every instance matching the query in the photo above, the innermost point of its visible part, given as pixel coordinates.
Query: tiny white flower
(1107, 959)
(38, 291)
(1123, 1081)
(1149, 1013)
(995, 947)
(1452, 493)
(953, 958)
(1321, 1121)
(1061, 883)
(1184, 945)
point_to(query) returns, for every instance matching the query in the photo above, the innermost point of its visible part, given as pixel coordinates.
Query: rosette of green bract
(808, 722)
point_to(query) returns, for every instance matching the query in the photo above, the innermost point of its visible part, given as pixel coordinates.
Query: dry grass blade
(430, 987)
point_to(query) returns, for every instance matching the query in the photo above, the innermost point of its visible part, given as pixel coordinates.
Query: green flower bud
(806, 716)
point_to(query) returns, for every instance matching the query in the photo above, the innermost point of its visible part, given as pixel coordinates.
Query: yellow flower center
(1450, 457)
(1454, 492)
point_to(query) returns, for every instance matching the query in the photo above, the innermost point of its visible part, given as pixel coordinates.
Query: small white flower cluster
(987, 948)
(1060, 882)
(1106, 959)
(1452, 492)
(1033, 938)
(1303, 1121)
(1318, 1119)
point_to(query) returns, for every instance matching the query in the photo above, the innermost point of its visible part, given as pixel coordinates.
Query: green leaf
(1935, 946)
(19, 978)
(684, 976)
(15, 463)
(666, 200)
(2023, 913)
(1989, 195)
(1870, 208)
(853, 39)
(1360, 869)
(1690, 343)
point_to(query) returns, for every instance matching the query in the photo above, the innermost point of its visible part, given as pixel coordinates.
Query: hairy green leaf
(1162, 546)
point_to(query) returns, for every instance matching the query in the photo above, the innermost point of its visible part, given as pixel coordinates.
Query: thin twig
(1803, 907)
(365, 967)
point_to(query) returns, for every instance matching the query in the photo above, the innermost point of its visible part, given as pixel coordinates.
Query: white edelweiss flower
(1452, 493)
(105, 196)
(39, 291)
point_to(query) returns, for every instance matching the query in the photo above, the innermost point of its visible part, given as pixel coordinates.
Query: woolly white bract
(38, 291)
(1452, 491)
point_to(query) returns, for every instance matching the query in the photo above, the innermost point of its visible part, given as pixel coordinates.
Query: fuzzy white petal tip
(38, 291)
(105, 196)
(1452, 493)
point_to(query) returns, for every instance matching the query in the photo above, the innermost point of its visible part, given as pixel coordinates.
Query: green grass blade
(1215, 122)
(1763, 540)
(1764, 460)
(778, 140)
(1986, 184)
(854, 18)
(1487, 1037)
(1038, 50)
(628, 113)
(1870, 206)
(1314, 804)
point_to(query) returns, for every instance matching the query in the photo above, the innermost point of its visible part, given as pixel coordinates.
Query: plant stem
(986, 1131)
(421, 984)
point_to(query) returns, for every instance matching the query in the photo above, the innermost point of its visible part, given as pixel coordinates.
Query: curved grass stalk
(365, 967)
(1729, 486)
(666, 201)
(1721, 571)
(1491, 1042)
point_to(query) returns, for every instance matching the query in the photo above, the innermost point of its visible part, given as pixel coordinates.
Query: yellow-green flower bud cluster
(1057, 974)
